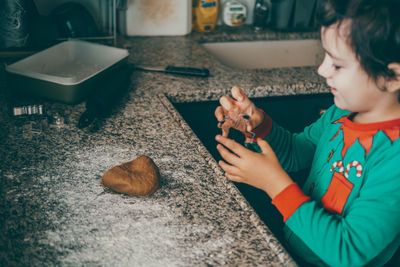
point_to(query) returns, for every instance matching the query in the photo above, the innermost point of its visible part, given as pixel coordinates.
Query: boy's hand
(239, 104)
(261, 170)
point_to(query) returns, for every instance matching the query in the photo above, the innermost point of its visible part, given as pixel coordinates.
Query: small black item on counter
(86, 119)
(261, 14)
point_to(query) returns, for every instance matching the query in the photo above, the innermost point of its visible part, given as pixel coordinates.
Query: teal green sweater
(348, 211)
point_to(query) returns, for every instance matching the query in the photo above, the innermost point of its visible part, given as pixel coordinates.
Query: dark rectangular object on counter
(293, 15)
(281, 14)
(67, 72)
(303, 14)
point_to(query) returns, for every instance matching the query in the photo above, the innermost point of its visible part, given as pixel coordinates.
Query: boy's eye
(337, 67)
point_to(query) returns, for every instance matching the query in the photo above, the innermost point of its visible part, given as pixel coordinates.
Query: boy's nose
(324, 68)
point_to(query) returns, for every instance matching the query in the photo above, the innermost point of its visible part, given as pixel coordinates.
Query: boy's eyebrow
(330, 54)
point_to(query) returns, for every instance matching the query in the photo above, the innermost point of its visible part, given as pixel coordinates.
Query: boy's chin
(339, 103)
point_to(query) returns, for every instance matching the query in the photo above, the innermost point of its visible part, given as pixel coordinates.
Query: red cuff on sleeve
(289, 199)
(262, 130)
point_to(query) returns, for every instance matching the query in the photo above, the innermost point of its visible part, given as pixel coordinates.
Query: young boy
(348, 211)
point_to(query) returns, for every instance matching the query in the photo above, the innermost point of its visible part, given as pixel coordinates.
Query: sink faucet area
(267, 54)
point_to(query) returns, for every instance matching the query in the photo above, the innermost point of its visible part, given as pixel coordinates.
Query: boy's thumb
(264, 146)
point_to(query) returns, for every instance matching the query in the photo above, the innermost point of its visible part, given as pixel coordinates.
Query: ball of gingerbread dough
(138, 177)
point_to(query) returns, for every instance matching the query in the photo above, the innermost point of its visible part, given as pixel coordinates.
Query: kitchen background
(100, 8)
(106, 18)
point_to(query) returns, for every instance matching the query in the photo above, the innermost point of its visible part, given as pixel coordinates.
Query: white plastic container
(156, 18)
(67, 72)
(234, 13)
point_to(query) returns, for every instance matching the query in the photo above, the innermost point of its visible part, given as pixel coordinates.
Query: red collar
(365, 132)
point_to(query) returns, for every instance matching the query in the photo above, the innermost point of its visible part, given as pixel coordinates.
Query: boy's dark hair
(374, 32)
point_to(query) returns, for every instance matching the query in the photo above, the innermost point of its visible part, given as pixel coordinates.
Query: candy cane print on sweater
(355, 164)
(338, 164)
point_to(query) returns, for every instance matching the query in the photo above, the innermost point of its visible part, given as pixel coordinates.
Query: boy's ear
(393, 84)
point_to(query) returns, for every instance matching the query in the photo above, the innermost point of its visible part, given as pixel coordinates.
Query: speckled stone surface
(55, 212)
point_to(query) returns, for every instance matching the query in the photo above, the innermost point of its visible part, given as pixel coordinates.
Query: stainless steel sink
(268, 54)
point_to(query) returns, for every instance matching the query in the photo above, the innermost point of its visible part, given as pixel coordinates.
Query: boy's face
(351, 87)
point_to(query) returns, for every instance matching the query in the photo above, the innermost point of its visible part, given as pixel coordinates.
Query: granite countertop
(55, 212)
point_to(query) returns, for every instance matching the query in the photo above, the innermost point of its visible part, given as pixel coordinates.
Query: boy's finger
(234, 178)
(242, 100)
(219, 113)
(238, 93)
(227, 155)
(226, 102)
(225, 133)
(229, 169)
(232, 145)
